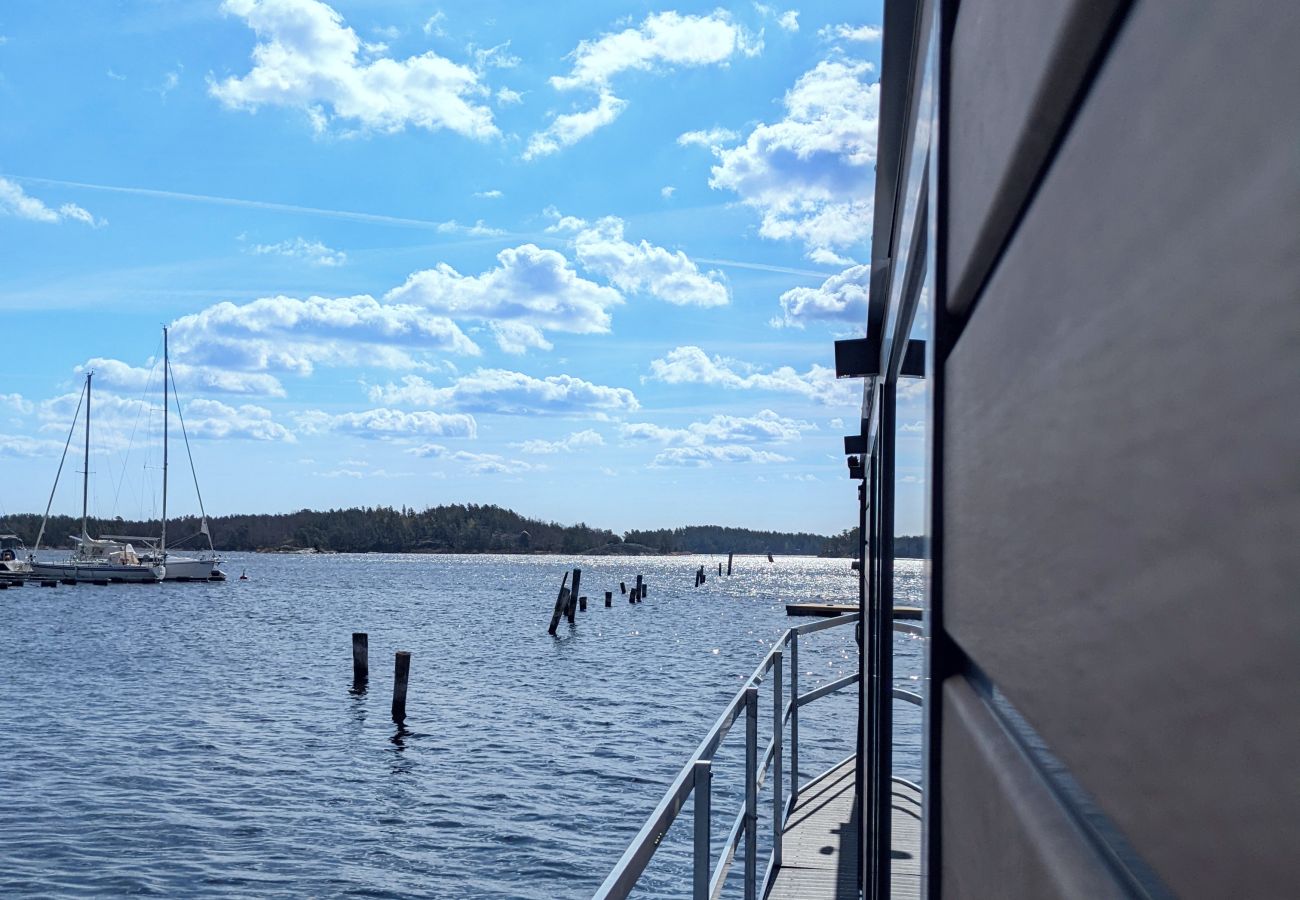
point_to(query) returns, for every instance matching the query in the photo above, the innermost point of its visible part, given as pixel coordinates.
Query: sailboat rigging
(114, 557)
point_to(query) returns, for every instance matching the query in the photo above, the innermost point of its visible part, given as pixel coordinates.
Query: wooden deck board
(819, 848)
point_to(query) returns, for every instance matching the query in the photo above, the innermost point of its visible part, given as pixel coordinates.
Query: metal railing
(696, 777)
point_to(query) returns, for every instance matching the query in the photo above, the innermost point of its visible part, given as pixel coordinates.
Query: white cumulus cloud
(642, 267)
(123, 376)
(309, 251)
(767, 427)
(386, 423)
(662, 40)
(859, 33)
(529, 286)
(292, 335)
(509, 393)
(841, 298)
(566, 444)
(703, 457)
(691, 365)
(16, 202)
(708, 139)
(811, 175)
(307, 58)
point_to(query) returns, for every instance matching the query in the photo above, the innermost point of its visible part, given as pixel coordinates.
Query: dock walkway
(819, 847)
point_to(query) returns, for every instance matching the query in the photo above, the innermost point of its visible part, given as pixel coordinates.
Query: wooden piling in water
(582, 604)
(639, 583)
(729, 556)
(577, 580)
(360, 657)
(719, 570)
(570, 605)
(622, 587)
(559, 605)
(401, 672)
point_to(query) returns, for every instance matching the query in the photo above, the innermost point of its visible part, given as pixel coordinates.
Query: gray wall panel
(1122, 470)
(1004, 835)
(1016, 66)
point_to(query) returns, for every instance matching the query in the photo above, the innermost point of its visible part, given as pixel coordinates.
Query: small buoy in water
(243, 576)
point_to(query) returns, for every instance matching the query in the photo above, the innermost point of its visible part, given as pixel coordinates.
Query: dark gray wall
(1121, 518)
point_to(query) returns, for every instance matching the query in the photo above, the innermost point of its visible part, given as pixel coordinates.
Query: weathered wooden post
(639, 582)
(577, 580)
(622, 587)
(360, 657)
(769, 558)
(401, 672)
(609, 598)
(570, 606)
(582, 604)
(719, 570)
(559, 605)
(729, 556)
(645, 589)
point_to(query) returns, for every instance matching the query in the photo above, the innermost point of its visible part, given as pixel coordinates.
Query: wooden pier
(839, 609)
(820, 841)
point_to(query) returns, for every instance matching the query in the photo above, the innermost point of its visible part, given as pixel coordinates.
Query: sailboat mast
(85, 473)
(162, 540)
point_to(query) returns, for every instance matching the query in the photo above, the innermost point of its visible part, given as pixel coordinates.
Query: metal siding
(1122, 463)
(1016, 67)
(1004, 834)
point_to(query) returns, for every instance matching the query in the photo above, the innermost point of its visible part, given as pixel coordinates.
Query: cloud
(313, 252)
(476, 463)
(840, 298)
(567, 444)
(488, 195)
(766, 427)
(811, 175)
(506, 97)
(859, 33)
(291, 335)
(119, 420)
(308, 59)
(15, 403)
(114, 373)
(703, 457)
(642, 267)
(389, 424)
(567, 129)
(433, 24)
(691, 365)
(509, 393)
(709, 140)
(14, 201)
(664, 39)
(19, 446)
(667, 191)
(788, 20)
(215, 420)
(530, 286)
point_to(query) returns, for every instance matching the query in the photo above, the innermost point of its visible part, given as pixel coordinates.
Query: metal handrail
(697, 774)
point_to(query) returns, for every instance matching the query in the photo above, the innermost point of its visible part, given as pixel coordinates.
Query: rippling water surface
(202, 739)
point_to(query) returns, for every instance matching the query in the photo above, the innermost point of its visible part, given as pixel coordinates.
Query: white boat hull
(185, 568)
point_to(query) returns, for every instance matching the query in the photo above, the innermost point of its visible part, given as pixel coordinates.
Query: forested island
(453, 528)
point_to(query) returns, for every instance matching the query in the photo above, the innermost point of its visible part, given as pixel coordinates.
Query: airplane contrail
(764, 267)
(372, 218)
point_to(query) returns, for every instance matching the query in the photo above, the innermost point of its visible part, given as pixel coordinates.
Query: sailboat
(121, 549)
(92, 560)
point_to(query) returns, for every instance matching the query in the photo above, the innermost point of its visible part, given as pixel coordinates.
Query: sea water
(206, 740)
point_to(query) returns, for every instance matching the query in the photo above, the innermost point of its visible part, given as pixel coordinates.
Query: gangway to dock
(814, 826)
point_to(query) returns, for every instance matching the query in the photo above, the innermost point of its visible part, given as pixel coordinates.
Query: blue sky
(587, 262)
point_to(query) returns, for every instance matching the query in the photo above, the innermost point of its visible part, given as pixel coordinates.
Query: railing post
(703, 827)
(794, 715)
(778, 734)
(751, 793)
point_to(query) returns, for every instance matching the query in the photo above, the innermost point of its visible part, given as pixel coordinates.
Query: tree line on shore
(454, 528)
